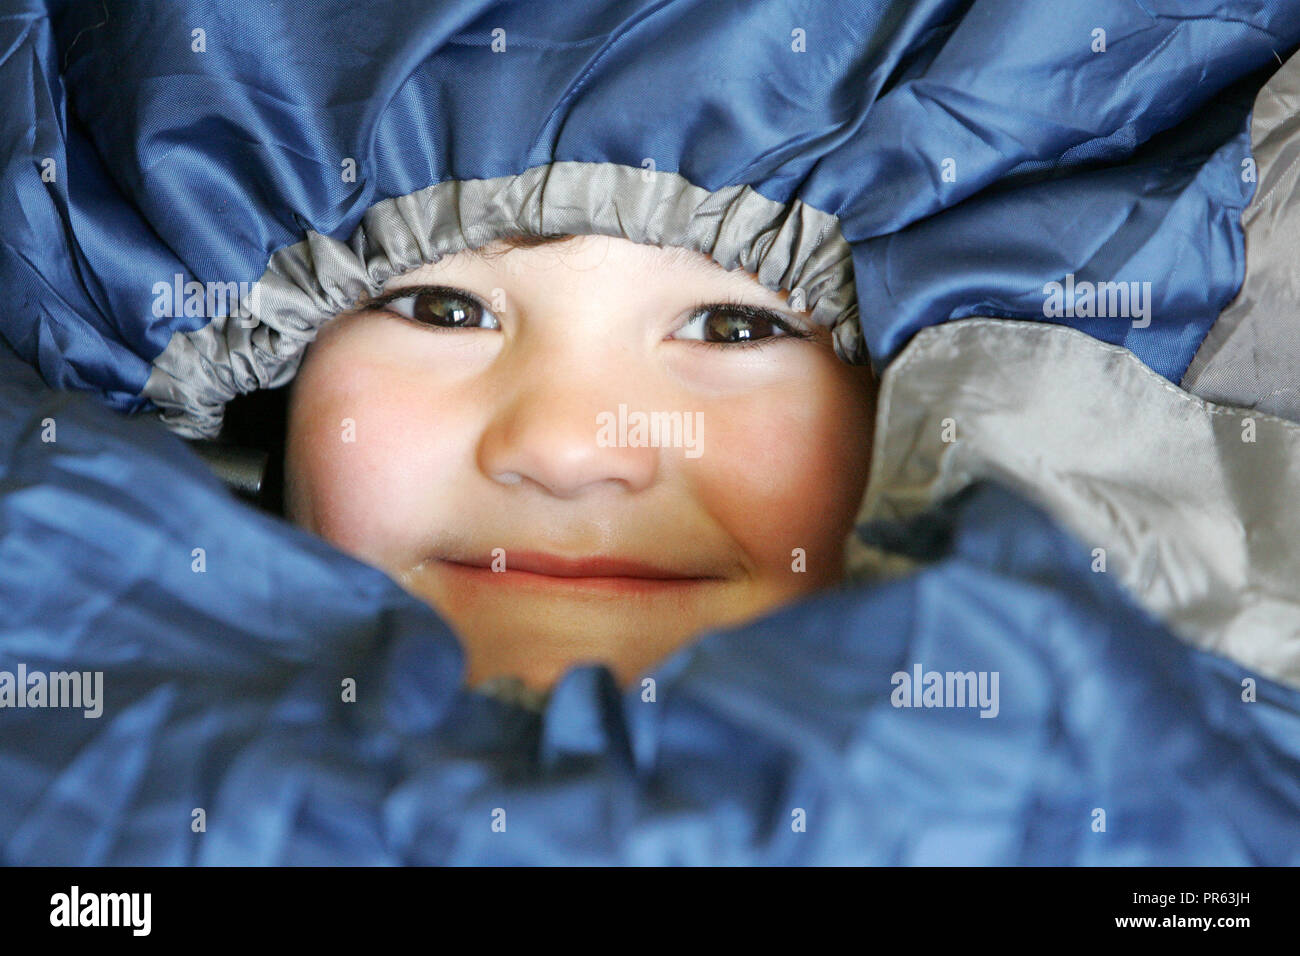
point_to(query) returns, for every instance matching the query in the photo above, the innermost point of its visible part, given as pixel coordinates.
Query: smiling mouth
(606, 574)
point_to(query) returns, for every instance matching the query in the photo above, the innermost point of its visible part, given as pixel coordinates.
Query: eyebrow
(708, 266)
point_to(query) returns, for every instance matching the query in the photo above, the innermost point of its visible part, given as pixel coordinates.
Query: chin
(540, 656)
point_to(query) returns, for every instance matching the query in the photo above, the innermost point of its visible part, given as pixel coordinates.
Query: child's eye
(440, 308)
(736, 324)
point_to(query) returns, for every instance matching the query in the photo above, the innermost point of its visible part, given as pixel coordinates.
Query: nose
(548, 434)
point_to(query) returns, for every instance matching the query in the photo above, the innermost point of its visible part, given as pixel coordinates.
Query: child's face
(423, 449)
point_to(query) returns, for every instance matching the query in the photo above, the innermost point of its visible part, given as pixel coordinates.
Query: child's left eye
(440, 308)
(735, 324)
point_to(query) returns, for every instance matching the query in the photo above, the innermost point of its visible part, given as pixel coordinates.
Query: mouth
(596, 573)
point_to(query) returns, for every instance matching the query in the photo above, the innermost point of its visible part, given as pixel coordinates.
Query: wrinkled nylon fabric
(222, 692)
(1065, 159)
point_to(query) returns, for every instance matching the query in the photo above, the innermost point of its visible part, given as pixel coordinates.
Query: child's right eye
(439, 308)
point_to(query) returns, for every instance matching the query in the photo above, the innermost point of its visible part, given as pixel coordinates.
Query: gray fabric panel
(1251, 356)
(787, 246)
(1198, 525)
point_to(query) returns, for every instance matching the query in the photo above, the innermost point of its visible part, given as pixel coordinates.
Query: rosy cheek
(752, 478)
(369, 452)
(786, 474)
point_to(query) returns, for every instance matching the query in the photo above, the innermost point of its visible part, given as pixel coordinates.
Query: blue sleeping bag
(1067, 635)
(777, 743)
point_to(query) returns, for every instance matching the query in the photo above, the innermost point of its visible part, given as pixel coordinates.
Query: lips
(556, 566)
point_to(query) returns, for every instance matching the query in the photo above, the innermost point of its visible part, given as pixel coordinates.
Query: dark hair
(259, 421)
(521, 239)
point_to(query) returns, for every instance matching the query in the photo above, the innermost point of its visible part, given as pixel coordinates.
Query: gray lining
(786, 245)
(1198, 524)
(1251, 356)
